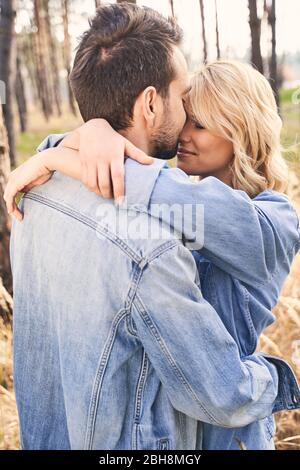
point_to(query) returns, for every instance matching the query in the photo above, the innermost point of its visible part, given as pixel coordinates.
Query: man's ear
(149, 102)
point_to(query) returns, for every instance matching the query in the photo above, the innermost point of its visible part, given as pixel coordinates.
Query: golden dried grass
(283, 338)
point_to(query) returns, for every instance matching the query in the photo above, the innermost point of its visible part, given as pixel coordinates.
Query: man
(114, 346)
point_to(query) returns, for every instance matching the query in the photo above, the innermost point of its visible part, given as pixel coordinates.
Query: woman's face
(204, 154)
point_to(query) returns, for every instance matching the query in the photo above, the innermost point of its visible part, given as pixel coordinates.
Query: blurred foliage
(39, 128)
(286, 95)
(290, 113)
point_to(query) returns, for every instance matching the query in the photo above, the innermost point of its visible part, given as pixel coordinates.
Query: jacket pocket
(144, 439)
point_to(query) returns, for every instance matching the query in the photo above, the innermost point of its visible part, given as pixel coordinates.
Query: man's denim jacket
(114, 345)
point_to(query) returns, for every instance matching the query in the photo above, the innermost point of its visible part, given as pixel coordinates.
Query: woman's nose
(184, 137)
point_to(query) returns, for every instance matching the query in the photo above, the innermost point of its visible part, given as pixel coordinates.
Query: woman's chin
(188, 168)
(184, 166)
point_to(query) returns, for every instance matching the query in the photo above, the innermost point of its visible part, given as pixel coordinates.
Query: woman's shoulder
(271, 195)
(278, 209)
(276, 204)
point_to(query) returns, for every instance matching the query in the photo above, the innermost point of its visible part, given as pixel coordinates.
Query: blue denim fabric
(248, 249)
(114, 345)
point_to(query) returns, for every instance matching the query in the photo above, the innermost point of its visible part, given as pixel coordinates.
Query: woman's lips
(184, 152)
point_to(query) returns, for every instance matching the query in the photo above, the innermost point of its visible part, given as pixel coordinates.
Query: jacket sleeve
(193, 354)
(250, 239)
(51, 140)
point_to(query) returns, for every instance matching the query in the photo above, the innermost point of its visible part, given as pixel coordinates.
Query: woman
(232, 134)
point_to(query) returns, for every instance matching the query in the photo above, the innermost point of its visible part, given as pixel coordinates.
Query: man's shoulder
(62, 190)
(130, 228)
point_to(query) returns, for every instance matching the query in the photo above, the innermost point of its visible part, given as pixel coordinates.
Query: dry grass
(283, 338)
(9, 426)
(279, 339)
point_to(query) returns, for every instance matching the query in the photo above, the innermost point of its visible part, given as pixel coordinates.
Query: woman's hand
(102, 151)
(33, 172)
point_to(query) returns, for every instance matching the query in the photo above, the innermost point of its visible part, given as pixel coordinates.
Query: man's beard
(165, 152)
(165, 141)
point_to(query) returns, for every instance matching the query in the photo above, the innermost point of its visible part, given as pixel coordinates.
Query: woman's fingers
(28, 187)
(118, 180)
(17, 214)
(14, 211)
(92, 179)
(104, 181)
(9, 197)
(137, 154)
(10, 193)
(26, 176)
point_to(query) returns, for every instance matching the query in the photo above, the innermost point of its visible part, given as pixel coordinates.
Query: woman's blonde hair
(233, 100)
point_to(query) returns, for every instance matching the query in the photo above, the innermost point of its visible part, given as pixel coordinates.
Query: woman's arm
(38, 170)
(80, 156)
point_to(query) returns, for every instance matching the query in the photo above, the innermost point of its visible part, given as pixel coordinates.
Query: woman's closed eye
(198, 125)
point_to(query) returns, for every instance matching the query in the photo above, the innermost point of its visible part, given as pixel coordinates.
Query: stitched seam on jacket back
(67, 210)
(144, 314)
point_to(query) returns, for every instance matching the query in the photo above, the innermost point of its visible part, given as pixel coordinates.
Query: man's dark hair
(126, 49)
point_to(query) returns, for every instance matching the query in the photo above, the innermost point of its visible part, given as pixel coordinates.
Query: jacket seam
(85, 220)
(141, 388)
(167, 247)
(249, 320)
(98, 381)
(149, 324)
(276, 270)
(97, 227)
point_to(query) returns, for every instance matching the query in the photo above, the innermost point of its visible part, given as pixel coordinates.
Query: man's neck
(137, 138)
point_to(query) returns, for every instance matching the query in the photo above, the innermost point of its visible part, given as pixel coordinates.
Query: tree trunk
(217, 32)
(41, 54)
(7, 68)
(67, 53)
(273, 60)
(21, 98)
(52, 60)
(172, 8)
(97, 3)
(5, 272)
(255, 27)
(26, 45)
(203, 30)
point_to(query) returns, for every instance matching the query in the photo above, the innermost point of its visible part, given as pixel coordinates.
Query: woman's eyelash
(198, 126)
